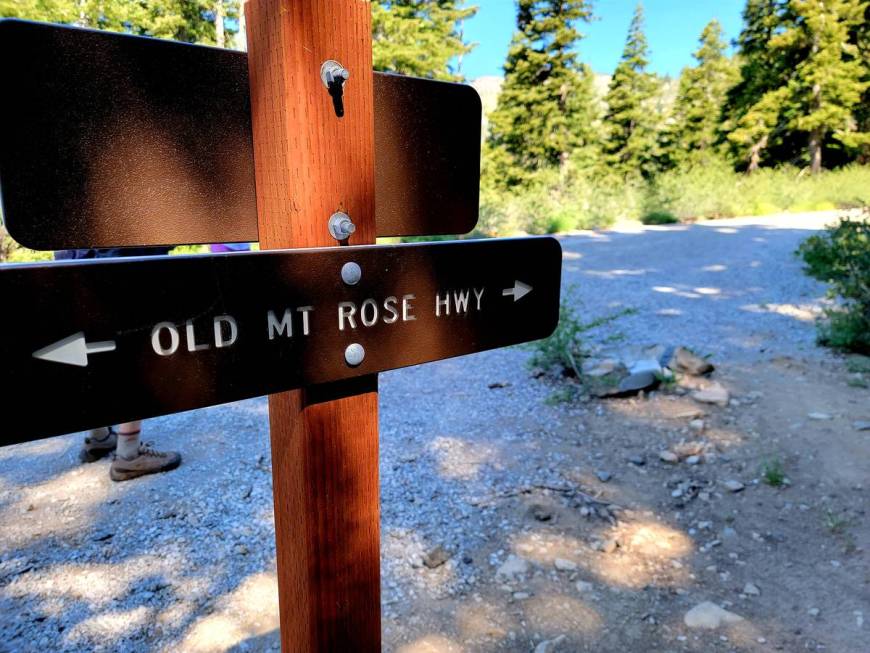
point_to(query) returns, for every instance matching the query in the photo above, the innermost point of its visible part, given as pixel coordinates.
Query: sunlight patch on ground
(249, 611)
(571, 256)
(803, 312)
(119, 623)
(718, 267)
(650, 554)
(670, 290)
(555, 614)
(61, 505)
(461, 460)
(669, 312)
(482, 620)
(432, 644)
(619, 272)
(726, 230)
(94, 583)
(708, 291)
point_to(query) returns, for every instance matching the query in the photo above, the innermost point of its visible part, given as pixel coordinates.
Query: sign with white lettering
(106, 341)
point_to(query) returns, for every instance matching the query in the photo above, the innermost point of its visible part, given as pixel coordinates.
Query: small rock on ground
(684, 360)
(550, 645)
(511, 568)
(715, 393)
(708, 615)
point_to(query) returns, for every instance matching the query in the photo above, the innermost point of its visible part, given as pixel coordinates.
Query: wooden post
(309, 163)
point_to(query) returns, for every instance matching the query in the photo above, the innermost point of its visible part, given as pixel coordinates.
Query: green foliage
(420, 37)
(659, 217)
(193, 21)
(545, 111)
(693, 130)
(564, 348)
(773, 473)
(841, 257)
(631, 119)
(804, 75)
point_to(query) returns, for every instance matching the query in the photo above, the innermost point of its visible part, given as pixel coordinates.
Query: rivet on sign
(351, 273)
(354, 354)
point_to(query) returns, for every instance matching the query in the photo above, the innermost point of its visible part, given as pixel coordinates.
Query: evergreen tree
(420, 37)
(631, 147)
(546, 106)
(693, 131)
(193, 21)
(827, 85)
(803, 77)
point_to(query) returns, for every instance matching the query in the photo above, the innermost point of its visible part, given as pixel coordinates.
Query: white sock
(100, 434)
(128, 445)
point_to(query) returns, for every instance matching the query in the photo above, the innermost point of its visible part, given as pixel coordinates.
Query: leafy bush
(841, 257)
(659, 217)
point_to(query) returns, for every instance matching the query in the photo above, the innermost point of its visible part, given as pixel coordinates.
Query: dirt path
(558, 522)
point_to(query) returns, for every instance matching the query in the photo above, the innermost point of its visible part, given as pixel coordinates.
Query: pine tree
(803, 77)
(631, 147)
(420, 37)
(827, 85)
(193, 21)
(693, 131)
(546, 105)
(752, 111)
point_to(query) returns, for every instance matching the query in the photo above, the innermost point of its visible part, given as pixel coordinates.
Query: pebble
(697, 425)
(715, 393)
(511, 568)
(693, 460)
(609, 546)
(733, 485)
(819, 416)
(814, 612)
(708, 615)
(751, 589)
(550, 645)
(668, 457)
(584, 586)
(603, 476)
(565, 565)
(638, 460)
(861, 425)
(436, 557)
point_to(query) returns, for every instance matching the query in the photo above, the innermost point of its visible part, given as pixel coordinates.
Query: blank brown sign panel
(112, 140)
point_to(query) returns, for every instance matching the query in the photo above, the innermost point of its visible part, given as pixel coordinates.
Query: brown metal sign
(112, 140)
(113, 340)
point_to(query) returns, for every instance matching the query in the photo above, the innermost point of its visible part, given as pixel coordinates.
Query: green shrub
(841, 257)
(659, 217)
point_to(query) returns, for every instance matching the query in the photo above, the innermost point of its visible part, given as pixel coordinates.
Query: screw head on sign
(354, 354)
(341, 227)
(351, 273)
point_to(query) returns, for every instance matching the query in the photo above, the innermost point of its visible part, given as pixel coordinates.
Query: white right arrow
(73, 350)
(519, 290)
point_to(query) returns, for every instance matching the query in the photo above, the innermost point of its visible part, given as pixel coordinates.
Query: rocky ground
(512, 520)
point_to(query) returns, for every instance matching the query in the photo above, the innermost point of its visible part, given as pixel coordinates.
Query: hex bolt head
(351, 273)
(341, 226)
(354, 354)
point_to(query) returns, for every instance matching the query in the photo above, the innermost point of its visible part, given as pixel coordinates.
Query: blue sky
(672, 29)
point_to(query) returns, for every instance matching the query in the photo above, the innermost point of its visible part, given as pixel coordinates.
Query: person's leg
(133, 460)
(98, 443)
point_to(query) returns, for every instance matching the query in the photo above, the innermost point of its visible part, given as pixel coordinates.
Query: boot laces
(148, 449)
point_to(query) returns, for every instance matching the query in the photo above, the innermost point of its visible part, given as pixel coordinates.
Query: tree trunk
(816, 151)
(220, 38)
(755, 153)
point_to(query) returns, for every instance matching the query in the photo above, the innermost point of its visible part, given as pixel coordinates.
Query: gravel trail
(185, 561)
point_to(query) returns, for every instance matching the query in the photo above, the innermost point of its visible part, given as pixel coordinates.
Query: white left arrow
(73, 350)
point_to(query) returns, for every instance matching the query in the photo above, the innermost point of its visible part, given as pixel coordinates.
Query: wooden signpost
(217, 328)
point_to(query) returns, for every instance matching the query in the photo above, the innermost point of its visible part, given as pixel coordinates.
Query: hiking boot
(92, 450)
(148, 461)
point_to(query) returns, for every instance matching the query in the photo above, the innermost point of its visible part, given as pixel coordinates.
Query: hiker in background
(132, 458)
